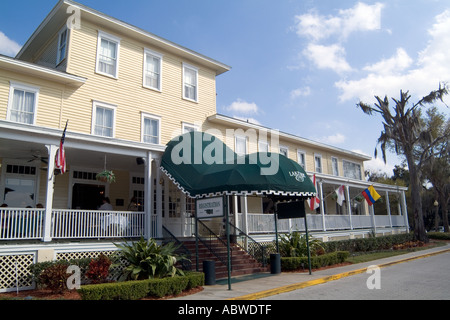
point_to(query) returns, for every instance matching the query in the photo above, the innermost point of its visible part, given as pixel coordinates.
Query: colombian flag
(371, 195)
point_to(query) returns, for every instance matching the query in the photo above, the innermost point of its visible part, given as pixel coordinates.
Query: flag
(340, 192)
(314, 203)
(371, 195)
(60, 160)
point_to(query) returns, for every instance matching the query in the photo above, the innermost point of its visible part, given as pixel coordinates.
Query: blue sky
(297, 66)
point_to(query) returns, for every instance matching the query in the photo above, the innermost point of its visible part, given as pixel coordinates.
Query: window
(187, 127)
(23, 101)
(151, 129)
(352, 170)
(301, 158)
(103, 119)
(108, 54)
(152, 70)
(284, 151)
(318, 163)
(335, 165)
(190, 83)
(240, 146)
(62, 45)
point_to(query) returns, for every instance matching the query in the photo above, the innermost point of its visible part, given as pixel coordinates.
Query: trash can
(275, 263)
(209, 269)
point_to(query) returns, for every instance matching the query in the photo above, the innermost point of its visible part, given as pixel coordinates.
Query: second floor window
(151, 128)
(190, 83)
(241, 146)
(103, 120)
(22, 104)
(152, 70)
(318, 163)
(108, 55)
(301, 159)
(62, 46)
(334, 163)
(352, 170)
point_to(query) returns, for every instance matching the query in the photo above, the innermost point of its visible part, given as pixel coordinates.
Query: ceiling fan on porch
(39, 158)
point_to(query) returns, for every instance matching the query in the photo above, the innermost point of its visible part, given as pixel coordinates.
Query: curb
(301, 285)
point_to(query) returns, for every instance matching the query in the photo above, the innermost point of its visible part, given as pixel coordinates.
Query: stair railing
(186, 263)
(207, 242)
(248, 244)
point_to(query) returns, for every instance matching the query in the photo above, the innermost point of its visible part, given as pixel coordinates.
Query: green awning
(203, 166)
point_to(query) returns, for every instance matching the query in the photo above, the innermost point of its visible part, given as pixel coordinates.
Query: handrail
(185, 263)
(212, 235)
(255, 249)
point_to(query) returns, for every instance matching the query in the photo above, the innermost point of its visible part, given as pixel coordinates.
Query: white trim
(103, 105)
(24, 87)
(109, 37)
(195, 69)
(144, 116)
(160, 57)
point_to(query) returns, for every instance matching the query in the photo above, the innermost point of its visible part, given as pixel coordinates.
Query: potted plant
(106, 176)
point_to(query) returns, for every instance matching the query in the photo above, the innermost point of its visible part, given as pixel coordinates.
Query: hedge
(439, 235)
(135, 290)
(328, 259)
(368, 244)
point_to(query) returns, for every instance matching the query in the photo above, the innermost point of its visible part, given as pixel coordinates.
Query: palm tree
(403, 132)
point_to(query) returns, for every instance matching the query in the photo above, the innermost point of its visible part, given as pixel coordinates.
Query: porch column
(322, 208)
(244, 207)
(388, 208)
(237, 223)
(159, 208)
(349, 205)
(148, 196)
(52, 149)
(405, 211)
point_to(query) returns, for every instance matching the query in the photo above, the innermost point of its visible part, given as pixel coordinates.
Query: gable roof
(56, 19)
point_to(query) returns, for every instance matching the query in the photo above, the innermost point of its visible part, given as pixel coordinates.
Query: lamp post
(436, 215)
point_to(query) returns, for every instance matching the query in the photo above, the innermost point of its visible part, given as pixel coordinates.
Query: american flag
(60, 160)
(314, 203)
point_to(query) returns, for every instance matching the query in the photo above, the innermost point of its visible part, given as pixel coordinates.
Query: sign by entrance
(291, 210)
(210, 208)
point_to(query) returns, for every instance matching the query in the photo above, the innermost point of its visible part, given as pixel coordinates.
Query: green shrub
(138, 289)
(368, 244)
(439, 235)
(328, 259)
(37, 268)
(55, 278)
(294, 245)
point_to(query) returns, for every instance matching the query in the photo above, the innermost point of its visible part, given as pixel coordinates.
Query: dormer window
(62, 45)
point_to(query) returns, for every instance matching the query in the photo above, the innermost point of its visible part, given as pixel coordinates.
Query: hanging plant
(106, 176)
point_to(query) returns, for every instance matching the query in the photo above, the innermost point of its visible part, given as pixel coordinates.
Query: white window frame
(195, 69)
(337, 166)
(286, 148)
(159, 56)
(60, 59)
(301, 152)
(316, 155)
(185, 125)
(150, 116)
(98, 104)
(244, 138)
(111, 38)
(26, 88)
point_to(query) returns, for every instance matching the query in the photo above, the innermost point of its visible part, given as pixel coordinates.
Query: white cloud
(243, 107)
(388, 76)
(7, 46)
(300, 92)
(378, 165)
(328, 57)
(361, 17)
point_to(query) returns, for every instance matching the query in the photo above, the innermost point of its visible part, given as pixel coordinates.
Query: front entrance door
(87, 196)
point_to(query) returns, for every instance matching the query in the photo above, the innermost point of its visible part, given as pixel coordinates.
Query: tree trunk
(416, 199)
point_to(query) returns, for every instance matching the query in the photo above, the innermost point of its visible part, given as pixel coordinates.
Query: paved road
(422, 279)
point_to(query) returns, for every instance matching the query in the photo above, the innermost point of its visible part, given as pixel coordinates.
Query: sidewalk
(257, 286)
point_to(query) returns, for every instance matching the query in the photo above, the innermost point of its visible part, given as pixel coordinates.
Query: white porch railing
(16, 223)
(264, 223)
(28, 224)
